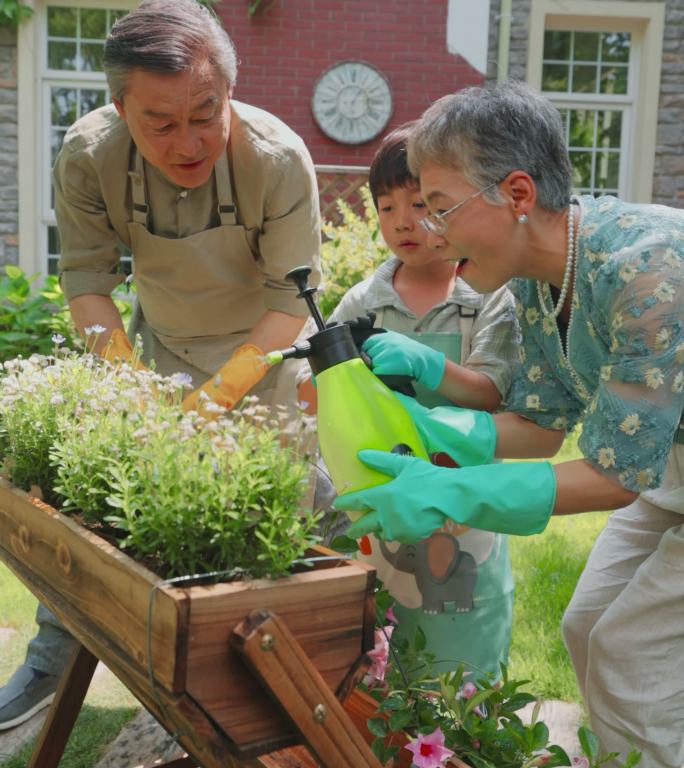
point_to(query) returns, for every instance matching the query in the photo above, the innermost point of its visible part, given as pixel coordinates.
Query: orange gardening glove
(120, 350)
(245, 368)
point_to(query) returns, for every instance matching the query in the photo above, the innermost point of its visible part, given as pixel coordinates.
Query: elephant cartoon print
(443, 571)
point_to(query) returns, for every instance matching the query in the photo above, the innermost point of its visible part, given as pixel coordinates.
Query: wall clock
(352, 102)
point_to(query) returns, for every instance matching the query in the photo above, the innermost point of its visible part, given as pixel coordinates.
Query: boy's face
(399, 212)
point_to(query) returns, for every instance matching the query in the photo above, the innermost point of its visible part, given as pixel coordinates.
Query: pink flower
(468, 691)
(390, 615)
(380, 654)
(429, 751)
(581, 762)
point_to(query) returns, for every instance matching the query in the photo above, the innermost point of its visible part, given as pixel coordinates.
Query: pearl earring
(522, 219)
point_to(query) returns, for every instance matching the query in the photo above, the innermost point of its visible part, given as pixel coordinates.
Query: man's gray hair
(485, 133)
(166, 36)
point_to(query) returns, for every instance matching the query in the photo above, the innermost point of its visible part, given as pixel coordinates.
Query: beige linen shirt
(274, 186)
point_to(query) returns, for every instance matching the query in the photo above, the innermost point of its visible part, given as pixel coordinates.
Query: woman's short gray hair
(486, 133)
(166, 36)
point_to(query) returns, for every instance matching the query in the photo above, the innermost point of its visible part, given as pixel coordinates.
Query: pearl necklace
(567, 275)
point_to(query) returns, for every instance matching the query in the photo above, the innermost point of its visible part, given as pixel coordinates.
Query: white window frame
(646, 23)
(33, 126)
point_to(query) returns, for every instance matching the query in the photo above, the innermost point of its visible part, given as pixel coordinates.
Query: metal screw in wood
(320, 713)
(267, 642)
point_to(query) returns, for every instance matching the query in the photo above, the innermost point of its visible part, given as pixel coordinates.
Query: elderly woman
(599, 291)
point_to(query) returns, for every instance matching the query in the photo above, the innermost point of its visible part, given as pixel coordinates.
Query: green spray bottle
(356, 409)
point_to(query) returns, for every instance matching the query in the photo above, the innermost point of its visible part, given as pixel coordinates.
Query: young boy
(457, 585)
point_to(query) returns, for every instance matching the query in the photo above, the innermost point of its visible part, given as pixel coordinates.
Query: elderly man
(216, 200)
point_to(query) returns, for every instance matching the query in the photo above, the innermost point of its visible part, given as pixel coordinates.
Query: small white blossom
(532, 315)
(535, 373)
(606, 457)
(631, 424)
(664, 292)
(654, 378)
(678, 383)
(533, 402)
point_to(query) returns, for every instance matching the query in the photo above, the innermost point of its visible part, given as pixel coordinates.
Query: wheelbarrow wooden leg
(72, 689)
(278, 660)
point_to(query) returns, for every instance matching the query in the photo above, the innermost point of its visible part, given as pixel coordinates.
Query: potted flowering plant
(417, 718)
(152, 534)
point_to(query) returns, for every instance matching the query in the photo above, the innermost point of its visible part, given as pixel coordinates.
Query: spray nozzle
(300, 277)
(298, 350)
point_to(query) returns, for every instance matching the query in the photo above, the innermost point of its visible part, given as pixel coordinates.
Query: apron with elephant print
(456, 586)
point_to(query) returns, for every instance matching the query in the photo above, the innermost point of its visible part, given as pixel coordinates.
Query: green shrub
(352, 251)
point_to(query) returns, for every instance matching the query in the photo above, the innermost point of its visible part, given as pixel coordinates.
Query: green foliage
(180, 493)
(31, 316)
(479, 720)
(353, 251)
(13, 12)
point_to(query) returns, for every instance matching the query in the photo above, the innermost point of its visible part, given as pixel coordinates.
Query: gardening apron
(457, 586)
(199, 296)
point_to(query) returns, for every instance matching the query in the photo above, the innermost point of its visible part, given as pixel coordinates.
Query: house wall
(668, 177)
(288, 44)
(9, 200)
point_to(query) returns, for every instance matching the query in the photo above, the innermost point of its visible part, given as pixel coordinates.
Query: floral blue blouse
(624, 373)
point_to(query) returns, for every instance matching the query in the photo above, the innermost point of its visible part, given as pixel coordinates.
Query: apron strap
(137, 177)
(224, 192)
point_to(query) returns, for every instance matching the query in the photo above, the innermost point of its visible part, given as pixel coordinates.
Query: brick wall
(9, 202)
(668, 172)
(288, 44)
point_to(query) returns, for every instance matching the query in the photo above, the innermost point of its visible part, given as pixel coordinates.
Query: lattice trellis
(340, 182)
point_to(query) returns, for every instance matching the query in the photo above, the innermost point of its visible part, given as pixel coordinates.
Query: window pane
(56, 139)
(615, 47)
(556, 45)
(93, 23)
(62, 22)
(614, 80)
(581, 169)
(64, 105)
(586, 46)
(609, 129)
(114, 15)
(91, 57)
(607, 171)
(61, 55)
(556, 77)
(581, 128)
(91, 99)
(584, 78)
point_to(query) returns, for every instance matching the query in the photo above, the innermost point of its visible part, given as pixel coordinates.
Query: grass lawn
(546, 569)
(108, 704)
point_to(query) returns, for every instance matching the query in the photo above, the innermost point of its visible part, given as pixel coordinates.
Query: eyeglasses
(434, 222)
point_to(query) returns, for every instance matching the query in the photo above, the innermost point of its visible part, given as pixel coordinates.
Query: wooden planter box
(170, 645)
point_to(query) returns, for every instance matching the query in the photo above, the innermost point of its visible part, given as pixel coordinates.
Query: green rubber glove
(468, 436)
(513, 498)
(394, 353)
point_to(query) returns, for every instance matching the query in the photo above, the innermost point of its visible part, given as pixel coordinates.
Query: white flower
(606, 372)
(616, 321)
(549, 325)
(627, 273)
(663, 338)
(626, 221)
(606, 205)
(522, 354)
(560, 423)
(535, 373)
(181, 379)
(94, 329)
(678, 234)
(664, 292)
(679, 353)
(631, 424)
(672, 258)
(58, 339)
(678, 383)
(533, 401)
(644, 478)
(606, 457)
(589, 229)
(56, 399)
(532, 315)
(654, 378)
(591, 329)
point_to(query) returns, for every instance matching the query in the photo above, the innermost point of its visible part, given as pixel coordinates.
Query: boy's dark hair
(389, 168)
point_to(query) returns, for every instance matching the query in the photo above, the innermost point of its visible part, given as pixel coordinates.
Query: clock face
(352, 102)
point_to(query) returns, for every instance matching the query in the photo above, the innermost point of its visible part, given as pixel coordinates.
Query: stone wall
(9, 203)
(668, 179)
